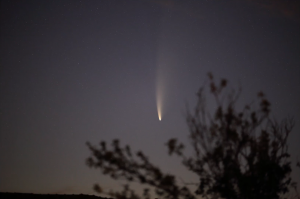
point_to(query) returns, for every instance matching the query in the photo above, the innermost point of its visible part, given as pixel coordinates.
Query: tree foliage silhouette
(237, 154)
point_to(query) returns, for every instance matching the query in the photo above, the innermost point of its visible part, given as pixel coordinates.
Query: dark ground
(46, 196)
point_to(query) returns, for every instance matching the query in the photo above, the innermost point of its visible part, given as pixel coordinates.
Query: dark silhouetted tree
(238, 154)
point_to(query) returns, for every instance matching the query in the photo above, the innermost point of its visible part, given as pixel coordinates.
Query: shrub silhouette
(237, 154)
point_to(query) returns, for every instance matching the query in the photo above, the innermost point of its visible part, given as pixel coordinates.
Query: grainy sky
(77, 71)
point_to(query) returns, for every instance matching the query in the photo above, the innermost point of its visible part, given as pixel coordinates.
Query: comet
(163, 76)
(159, 113)
(160, 96)
(164, 68)
(159, 103)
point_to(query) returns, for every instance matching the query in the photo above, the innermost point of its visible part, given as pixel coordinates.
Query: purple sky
(77, 71)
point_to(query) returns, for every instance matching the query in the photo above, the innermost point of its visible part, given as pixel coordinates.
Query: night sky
(78, 71)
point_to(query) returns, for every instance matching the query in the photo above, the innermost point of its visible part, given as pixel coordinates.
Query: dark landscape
(46, 196)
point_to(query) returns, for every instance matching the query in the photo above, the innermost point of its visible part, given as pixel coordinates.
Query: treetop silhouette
(237, 154)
